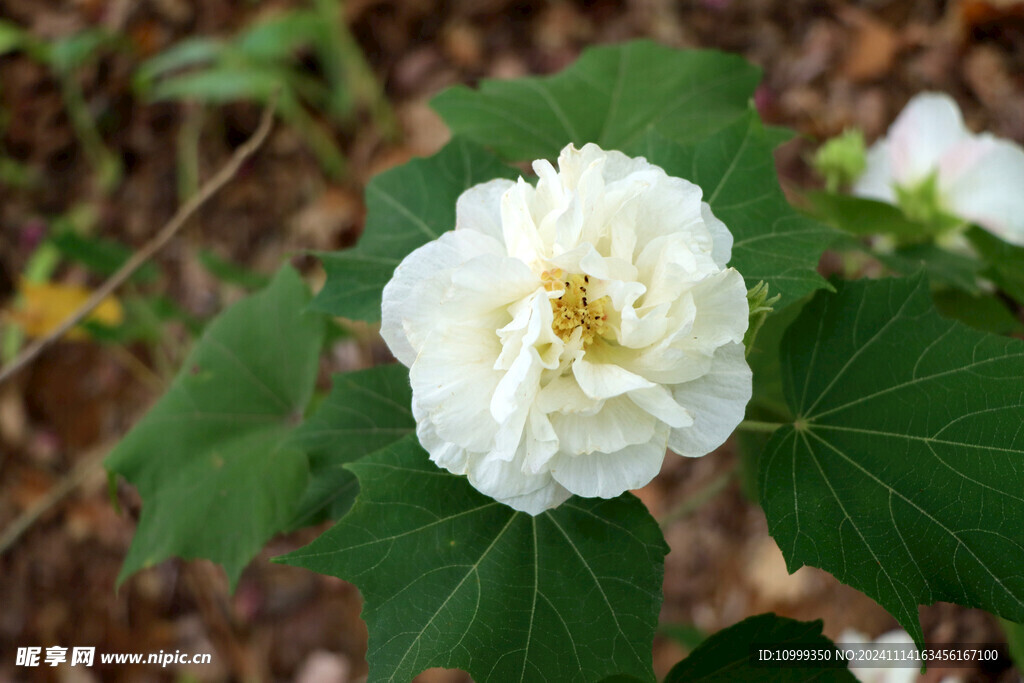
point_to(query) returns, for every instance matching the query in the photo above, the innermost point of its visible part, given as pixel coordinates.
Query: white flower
(561, 337)
(934, 168)
(897, 645)
(870, 672)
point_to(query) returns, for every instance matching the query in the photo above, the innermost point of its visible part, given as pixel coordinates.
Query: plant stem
(219, 180)
(758, 426)
(688, 506)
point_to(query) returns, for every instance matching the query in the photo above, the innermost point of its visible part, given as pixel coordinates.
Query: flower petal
(989, 190)
(876, 181)
(722, 310)
(604, 380)
(479, 208)
(721, 251)
(619, 423)
(507, 483)
(717, 402)
(411, 298)
(927, 127)
(453, 380)
(607, 475)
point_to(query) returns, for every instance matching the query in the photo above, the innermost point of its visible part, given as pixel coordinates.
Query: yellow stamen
(574, 309)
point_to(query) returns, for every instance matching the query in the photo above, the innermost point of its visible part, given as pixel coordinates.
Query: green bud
(841, 160)
(760, 305)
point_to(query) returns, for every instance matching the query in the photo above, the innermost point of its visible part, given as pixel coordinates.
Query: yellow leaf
(43, 306)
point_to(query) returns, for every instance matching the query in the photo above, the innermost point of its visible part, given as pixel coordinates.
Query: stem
(219, 180)
(688, 506)
(55, 495)
(758, 426)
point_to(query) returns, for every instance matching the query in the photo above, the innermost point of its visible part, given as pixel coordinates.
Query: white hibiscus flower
(561, 337)
(940, 173)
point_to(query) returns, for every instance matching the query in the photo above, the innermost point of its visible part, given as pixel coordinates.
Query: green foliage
(736, 170)
(612, 95)
(1005, 262)
(981, 311)
(942, 266)
(260, 62)
(1015, 640)
(64, 56)
(841, 160)
(101, 256)
(231, 273)
(726, 656)
(406, 207)
(901, 472)
(451, 578)
(366, 411)
(212, 460)
(864, 217)
(14, 38)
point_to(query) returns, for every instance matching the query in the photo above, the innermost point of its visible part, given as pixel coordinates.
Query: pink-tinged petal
(989, 190)
(717, 402)
(925, 130)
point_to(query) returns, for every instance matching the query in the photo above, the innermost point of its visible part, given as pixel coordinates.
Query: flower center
(574, 309)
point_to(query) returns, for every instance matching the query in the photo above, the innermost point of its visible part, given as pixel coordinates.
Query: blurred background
(112, 113)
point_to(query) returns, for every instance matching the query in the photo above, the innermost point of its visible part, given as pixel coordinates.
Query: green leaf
(860, 216)
(211, 460)
(612, 96)
(278, 38)
(100, 255)
(726, 655)
(451, 578)
(1015, 642)
(1005, 262)
(736, 170)
(365, 411)
(231, 273)
(943, 267)
(901, 473)
(222, 83)
(406, 207)
(67, 54)
(187, 53)
(13, 37)
(982, 312)
(686, 635)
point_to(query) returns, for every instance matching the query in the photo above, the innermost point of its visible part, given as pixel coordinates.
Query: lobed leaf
(211, 459)
(365, 411)
(612, 95)
(735, 169)
(903, 471)
(406, 207)
(452, 578)
(726, 655)
(1005, 261)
